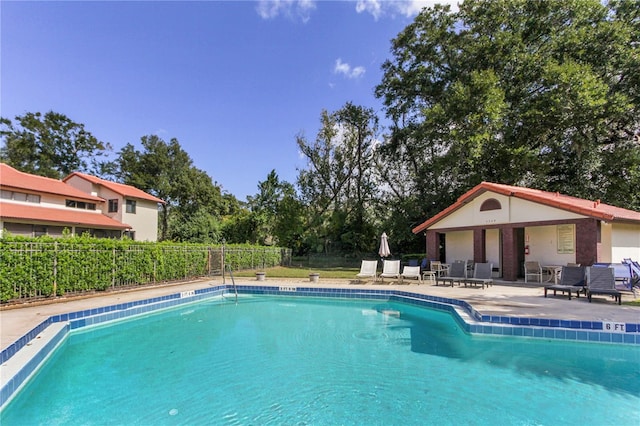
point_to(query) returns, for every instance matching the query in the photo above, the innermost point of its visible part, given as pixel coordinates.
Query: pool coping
(35, 346)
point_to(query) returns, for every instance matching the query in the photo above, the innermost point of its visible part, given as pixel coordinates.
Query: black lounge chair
(601, 280)
(571, 279)
(458, 272)
(481, 275)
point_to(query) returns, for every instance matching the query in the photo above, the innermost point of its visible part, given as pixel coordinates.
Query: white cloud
(346, 70)
(270, 9)
(407, 8)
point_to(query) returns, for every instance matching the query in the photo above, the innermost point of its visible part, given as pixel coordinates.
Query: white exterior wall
(543, 246)
(625, 242)
(606, 230)
(492, 248)
(514, 210)
(144, 222)
(459, 246)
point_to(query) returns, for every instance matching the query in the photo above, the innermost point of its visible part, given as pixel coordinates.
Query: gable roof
(58, 216)
(589, 208)
(119, 188)
(13, 179)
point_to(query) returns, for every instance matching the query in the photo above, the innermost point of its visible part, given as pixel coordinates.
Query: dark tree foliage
(530, 92)
(50, 145)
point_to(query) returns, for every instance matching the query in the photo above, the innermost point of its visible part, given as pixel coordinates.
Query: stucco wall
(459, 245)
(82, 184)
(625, 242)
(543, 246)
(513, 210)
(144, 222)
(492, 244)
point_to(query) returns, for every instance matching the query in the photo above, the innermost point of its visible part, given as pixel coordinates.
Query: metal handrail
(235, 289)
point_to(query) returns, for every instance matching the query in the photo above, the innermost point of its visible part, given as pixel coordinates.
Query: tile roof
(589, 208)
(13, 179)
(118, 188)
(59, 216)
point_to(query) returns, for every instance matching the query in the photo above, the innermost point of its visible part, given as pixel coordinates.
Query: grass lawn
(301, 272)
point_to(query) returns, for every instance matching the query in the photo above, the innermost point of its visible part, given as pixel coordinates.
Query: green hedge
(44, 266)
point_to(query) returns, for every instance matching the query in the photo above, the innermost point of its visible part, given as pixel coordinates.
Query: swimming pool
(284, 360)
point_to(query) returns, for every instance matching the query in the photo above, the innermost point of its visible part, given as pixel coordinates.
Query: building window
(33, 198)
(20, 196)
(131, 206)
(113, 206)
(80, 205)
(490, 204)
(130, 234)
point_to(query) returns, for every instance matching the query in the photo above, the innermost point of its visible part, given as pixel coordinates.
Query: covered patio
(509, 225)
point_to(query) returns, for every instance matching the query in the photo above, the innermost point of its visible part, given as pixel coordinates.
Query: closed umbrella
(384, 246)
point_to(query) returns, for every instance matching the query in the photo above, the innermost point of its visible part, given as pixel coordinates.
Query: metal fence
(42, 269)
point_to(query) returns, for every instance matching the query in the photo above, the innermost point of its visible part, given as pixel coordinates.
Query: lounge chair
(532, 269)
(411, 272)
(571, 279)
(458, 272)
(368, 269)
(481, 275)
(602, 281)
(390, 269)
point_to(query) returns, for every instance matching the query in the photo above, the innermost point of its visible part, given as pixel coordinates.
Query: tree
(531, 92)
(265, 206)
(50, 145)
(166, 171)
(338, 186)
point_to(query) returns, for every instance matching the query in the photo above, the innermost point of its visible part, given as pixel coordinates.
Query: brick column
(479, 248)
(433, 243)
(587, 242)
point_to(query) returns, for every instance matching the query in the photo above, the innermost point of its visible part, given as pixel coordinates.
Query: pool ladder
(233, 281)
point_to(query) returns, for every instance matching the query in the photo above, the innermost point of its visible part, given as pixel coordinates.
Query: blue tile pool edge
(572, 330)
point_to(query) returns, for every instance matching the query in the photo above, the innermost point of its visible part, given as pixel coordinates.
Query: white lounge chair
(368, 269)
(390, 269)
(411, 272)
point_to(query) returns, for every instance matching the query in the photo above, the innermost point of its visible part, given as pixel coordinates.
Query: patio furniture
(411, 272)
(441, 269)
(470, 265)
(602, 281)
(429, 275)
(552, 271)
(481, 275)
(532, 269)
(572, 278)
(390, 269)
(368, 269)
(458, 272)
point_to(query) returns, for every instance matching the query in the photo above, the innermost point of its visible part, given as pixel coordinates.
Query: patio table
(553, 271)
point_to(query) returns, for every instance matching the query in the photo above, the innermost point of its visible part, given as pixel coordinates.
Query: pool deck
(504, 299)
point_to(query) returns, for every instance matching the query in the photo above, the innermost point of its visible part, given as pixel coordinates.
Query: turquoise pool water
(293, 360)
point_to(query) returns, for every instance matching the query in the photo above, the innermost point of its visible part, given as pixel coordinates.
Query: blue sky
(233, 81)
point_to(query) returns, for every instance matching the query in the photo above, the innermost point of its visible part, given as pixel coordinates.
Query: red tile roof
(119, 188)
(594, 209)
(13, 179)
(69, 216)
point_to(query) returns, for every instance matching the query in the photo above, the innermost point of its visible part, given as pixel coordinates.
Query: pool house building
(508, 225)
